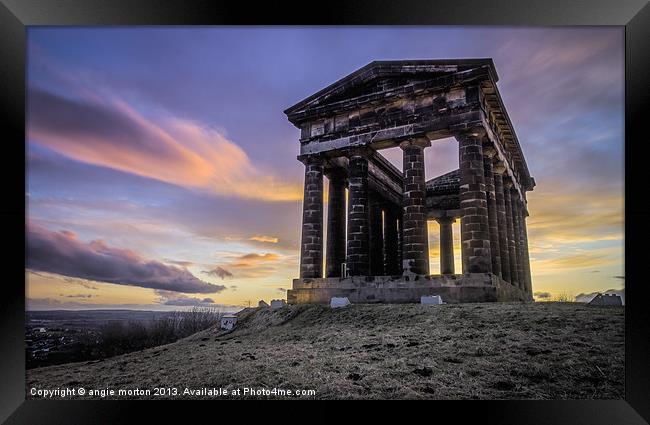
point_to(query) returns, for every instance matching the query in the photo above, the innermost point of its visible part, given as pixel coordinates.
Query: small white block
(430, 300)
(275, 304)
(337, 302)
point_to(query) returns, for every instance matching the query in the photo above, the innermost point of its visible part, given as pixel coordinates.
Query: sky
(162, 172)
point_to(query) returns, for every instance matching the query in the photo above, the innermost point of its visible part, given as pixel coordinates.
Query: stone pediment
(381, 78)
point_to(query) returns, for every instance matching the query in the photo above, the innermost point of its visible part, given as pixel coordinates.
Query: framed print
(434, 201)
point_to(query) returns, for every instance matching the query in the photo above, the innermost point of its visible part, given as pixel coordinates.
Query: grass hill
(471, 351)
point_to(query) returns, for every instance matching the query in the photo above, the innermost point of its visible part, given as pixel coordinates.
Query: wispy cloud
(190, 301)
(581, 216)
(253, 264)
(255, 238)
(181, 300)
(218, 272)
(182, 263)
(111, 133)
(77, 295)
(264, 238)
(575, 259)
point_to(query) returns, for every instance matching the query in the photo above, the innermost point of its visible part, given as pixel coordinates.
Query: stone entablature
(411, 104)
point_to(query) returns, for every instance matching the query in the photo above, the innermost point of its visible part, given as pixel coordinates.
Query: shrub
(118, 338)
(563, 298)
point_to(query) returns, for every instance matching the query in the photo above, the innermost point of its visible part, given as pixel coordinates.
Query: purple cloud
(77, 295)
(218, 272)
(62, 253)
(190, 301)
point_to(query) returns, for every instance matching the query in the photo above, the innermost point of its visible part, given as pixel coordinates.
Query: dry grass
(471, 351)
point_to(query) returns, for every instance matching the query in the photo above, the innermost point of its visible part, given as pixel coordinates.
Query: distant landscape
(64, 336)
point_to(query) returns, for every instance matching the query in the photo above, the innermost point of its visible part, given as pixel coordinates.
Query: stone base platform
(458, 288)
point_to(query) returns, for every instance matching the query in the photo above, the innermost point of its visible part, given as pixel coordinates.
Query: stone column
(400, 234)
(499, 169)
(516, 222)
(357, 257)
(391, 242)
(512, 250)
(376, 236)
(475, 232)
(527, 276)
(311, 249)
(335, 252)
(446, 245)
(488, 153)
(415, 241)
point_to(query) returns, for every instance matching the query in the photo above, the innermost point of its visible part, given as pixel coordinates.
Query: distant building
(606, 299)
(228, 322)
(262, 304)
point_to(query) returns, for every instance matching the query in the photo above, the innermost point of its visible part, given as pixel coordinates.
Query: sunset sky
(160, 163)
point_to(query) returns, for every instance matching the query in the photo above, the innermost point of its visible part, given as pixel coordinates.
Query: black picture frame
(634, 15)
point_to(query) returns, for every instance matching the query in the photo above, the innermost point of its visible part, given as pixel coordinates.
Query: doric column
(415, 241)
(335, 252)
(376, 235)
(512, 250)
(488, 153)
(446, 245)
(357, 258)
(311, 249)
(475, 233)
(527, 275)
(516, 222)
(391, 242)
(499, 169)
(400, 234)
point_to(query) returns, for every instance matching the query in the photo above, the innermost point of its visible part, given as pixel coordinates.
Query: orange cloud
(568, 212)
(249, 260)
(577, 260)
(256, 265)
(264, 238)
(111, 133)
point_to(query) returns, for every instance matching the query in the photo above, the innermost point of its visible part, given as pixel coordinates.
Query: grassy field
(469, 351)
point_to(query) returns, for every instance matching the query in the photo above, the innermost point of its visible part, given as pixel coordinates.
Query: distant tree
(563, 298)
